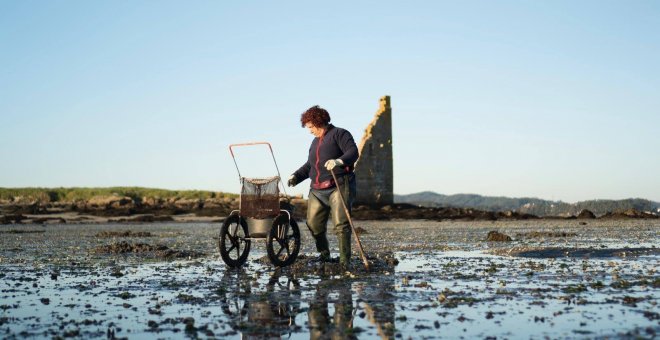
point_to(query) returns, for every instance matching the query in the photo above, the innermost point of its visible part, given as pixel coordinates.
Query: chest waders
(326, 203)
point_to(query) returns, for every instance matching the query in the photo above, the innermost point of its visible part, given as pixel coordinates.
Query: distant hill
(526, 205)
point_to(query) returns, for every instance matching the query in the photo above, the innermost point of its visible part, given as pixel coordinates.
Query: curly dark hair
(316, 115)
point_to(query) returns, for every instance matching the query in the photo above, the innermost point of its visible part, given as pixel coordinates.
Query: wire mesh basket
(260, 197)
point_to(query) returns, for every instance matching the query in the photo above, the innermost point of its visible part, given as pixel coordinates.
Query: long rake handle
(350, 221)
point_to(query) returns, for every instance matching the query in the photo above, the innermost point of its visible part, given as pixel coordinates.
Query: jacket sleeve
(347, 145)
(303, 172)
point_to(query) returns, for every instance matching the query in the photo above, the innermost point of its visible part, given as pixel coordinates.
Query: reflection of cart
(260, 217)
(259, 311)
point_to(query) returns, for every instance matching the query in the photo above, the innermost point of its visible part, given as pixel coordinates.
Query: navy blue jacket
(336, 143)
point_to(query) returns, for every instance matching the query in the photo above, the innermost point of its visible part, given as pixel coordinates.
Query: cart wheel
(283, 243)
(234, 247)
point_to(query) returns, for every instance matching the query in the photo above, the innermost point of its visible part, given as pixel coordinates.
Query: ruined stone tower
(374, 169)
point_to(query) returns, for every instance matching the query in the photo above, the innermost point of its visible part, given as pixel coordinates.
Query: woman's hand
(333, 163)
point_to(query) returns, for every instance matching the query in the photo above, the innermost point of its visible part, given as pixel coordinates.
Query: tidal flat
(428, 280)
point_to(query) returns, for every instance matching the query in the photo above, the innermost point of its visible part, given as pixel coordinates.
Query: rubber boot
(322, 246)
(345, 250)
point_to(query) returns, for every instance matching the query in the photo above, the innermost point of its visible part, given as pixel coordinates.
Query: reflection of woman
(321, 326)
(333, 149)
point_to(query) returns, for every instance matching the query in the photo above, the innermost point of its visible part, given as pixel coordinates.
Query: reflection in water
(378, 301)
(332, 314)
(337, 308)
(264, 314)
(234, 288)
(321, 325)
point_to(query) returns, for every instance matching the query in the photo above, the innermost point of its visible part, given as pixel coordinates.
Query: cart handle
(231, 146)
(249, 144)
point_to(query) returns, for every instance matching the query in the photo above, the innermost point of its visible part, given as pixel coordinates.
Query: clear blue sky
(551, 99)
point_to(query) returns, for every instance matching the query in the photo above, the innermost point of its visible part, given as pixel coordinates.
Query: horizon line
(419, 192)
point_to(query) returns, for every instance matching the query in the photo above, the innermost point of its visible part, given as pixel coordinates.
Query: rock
(123, 203)
(109, 202)
(164, 218)
(141, 218)
(188, 204)
(152, 202)
(543, 234)
(495, 236)
(211, 203)
(43, 220)
(16, 218)
(126, 247)
(126, 233)
(157, 251)
(508, 214)
(630, 213)
(586, 214)
(144, 218)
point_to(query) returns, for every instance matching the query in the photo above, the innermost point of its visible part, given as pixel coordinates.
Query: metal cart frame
(260, 217)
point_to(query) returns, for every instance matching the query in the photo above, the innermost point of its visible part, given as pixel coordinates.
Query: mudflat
(428, 279)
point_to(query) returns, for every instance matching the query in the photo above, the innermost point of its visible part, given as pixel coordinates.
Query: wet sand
(556, 278)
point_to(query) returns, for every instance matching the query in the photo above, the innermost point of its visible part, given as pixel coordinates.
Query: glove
(333, 163)
(292, 181)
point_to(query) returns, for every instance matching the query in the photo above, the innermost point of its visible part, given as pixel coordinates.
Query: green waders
(322, 204)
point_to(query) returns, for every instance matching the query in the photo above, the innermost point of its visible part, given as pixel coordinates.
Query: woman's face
(316, 131)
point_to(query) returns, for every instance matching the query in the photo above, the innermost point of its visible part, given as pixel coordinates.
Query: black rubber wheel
(234, 247)
(283, 242)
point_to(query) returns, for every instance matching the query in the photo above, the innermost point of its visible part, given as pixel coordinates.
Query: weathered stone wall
(374, 168)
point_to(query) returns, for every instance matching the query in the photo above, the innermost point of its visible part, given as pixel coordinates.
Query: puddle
(472, 294)
(55, 285)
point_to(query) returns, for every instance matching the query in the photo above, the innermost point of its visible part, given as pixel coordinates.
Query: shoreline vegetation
(138, 204)
(52, 195)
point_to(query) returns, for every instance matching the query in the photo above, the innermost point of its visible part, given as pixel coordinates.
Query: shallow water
(450, 285)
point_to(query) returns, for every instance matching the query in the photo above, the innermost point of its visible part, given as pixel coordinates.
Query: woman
(333, 149)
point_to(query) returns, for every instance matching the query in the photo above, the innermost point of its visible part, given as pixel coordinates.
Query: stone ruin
(374, 169)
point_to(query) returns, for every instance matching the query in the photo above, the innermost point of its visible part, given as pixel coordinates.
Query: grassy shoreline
(73, 194)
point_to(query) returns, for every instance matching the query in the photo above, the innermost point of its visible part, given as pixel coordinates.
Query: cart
(260, 216)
